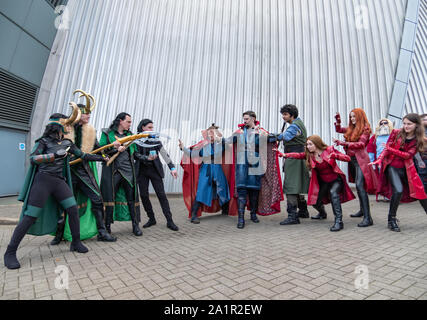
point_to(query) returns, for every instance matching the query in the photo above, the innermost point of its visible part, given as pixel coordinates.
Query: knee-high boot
(194, 209)
(59, 231)
(103, 235)
(337, 209)
(302, 207)
(292, 216)
(241, 213)
(10, 259)
(135, 221)
(322, 212)
(253, 199)
(74, 222)
(364, 202)
(394, 204)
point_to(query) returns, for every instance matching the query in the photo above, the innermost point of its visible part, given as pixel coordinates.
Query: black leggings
(356, 172)
(118, 181)
(333, 188)
(396, 177)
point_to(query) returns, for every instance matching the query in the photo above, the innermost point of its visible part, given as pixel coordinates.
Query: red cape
(414, 189)
(190, 182)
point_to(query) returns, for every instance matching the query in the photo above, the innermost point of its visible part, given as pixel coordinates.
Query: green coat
(297, 179)
(48, 216)
(116, 207)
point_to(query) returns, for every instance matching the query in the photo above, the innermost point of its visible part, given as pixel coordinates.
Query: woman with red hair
(356, 137)
(327, 183)
(399, 179)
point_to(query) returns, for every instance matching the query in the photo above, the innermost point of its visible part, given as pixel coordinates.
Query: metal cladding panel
(188, 63)
(416, 98)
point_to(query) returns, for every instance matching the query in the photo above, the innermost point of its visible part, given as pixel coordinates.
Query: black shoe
(393, 226)
(78, 246)
(10, 260)
(320, 216)
(172, 226)
(366, 222)
(136, 230)
(254, 218)
(302, 209)
(339, 225)
(357, 215)
(106, 237)
(151, 222)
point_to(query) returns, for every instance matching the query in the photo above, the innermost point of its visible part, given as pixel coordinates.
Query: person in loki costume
(85, 181)
(119, 187)
(48, 187)
(257, 170)
(208, 178)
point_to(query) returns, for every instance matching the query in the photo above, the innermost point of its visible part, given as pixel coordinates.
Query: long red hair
(319, 143)
(354, 132)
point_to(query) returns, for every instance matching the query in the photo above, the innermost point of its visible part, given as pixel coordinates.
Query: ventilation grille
(16, 100)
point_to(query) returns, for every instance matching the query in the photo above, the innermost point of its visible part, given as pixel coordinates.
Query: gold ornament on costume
(88, 108)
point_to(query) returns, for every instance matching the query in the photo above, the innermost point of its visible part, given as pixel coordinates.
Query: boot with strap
(292, 216)
(302, 208)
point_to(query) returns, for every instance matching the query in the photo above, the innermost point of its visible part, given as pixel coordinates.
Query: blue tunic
(212, 181)
(248, 170)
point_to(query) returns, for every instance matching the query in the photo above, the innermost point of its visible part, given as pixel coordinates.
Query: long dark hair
(419, 131)
(53, 130)
(142, 124)
(121, 116)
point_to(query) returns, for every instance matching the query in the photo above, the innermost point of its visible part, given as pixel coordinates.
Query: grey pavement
(215, 260)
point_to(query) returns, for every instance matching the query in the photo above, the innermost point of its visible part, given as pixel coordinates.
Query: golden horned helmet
(71, 120)
(88, 108)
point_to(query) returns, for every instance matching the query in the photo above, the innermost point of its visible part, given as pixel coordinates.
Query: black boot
(253, 200)
(241, 213)
(424, 204)
(357, 215)
(10, 259)
(254, 217)
(171, 225)
(241, 220)
(337, 209)
(194, 210)
(322, 213)
(59, 232)
(103, 235)
(135, 221)
(225, 208)
(292, 216)
(367, 219)
(74, 222)
(302, 208)
(151, 220)
(392, 224)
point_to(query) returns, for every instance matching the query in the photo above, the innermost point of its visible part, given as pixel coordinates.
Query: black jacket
(142, 154)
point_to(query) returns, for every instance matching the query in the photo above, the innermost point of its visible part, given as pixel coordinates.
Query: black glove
(93, 157)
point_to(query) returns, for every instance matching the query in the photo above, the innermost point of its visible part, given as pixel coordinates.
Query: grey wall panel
(17, 11)
(40, 22)
(416, 99)
(188, 63)
(9, 33)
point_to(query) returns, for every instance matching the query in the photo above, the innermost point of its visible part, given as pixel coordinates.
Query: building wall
(27, 32)
(188, 63)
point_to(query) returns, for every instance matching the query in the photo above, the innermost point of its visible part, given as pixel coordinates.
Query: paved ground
(215, 260)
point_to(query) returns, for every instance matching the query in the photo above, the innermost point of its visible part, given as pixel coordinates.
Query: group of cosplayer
(63, 196)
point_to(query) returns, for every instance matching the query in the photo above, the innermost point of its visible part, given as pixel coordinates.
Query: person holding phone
(149, 168)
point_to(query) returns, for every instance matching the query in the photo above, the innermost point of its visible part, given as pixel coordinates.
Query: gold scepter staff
(121, 140)
(126, 145)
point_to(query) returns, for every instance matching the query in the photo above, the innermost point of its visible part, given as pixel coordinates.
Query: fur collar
(88, 137)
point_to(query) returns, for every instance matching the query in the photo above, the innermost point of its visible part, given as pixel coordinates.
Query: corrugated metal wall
(188, 63)
(416, 99)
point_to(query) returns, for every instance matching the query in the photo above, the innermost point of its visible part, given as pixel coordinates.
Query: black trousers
(119, 181)
(357, 173)
(333, 188)
(253, 199)
(146, 175)
(397, 177)
(95, 198)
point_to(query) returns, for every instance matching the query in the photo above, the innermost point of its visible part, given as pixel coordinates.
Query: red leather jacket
(313, 192)
(358, 149)
(414, 189)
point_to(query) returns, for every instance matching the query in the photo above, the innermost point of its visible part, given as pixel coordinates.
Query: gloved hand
(338, 118)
